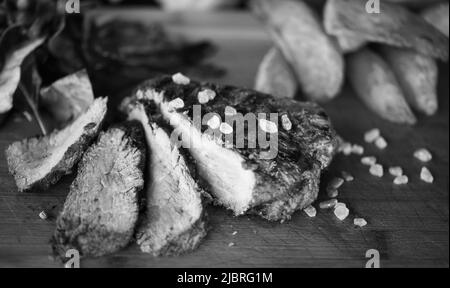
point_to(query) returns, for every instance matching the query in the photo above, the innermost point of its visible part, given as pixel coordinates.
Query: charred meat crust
(289, 181)
(92, 222)
(17, 157)
(301, 195)
(187, 241)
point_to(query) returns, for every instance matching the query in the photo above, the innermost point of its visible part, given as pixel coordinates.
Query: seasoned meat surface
(243, 178)
(101, 210)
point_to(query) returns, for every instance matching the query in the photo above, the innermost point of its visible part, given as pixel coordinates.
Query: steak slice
(243, 178)
(102, 208)
(174, 221)
(36, 163)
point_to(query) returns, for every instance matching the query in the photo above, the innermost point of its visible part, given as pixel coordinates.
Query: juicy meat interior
(101, 210)
(174, 218)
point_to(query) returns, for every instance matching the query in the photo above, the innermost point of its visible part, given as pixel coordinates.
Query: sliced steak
(174, 221)
(101, 210)
(249, 177)
(36, 163)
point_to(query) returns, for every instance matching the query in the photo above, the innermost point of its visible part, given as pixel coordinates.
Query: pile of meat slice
(243, 179)
(147, 179)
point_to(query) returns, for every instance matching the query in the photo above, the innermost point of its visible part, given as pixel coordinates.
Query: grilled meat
(245, 178)
(174, 220)
(101, 210)
(42, 161)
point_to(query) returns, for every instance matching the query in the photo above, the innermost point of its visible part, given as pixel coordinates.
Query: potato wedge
(417, 75)
(376, 85)
(275, 76)
(437, 16)
(395, 26)
(315, 58)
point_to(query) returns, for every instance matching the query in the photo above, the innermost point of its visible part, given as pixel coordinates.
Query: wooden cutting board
(408, 225)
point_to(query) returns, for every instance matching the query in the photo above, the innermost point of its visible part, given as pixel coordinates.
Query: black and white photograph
(224, 138)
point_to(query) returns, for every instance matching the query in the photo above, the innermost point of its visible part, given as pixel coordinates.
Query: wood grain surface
(408, 224)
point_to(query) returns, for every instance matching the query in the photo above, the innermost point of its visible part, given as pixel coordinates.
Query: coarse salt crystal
(149, 94)
(396, 171)
(332, 192)
(310, 211)
(361, 222)
(381, 143)
(176, 103)
(152, 94)
(345, 148)
(347, 176)
(336, 182)
(400, 180)
(357, 149)
(328, 204)
(268, 126)
(203, 96)
(212, 94)
(230, 111)
(286, 122)
(180, 79)
(139, 94)
(371, 135)
(340, 204)
(423, 155)
(369, 160)
(225, 128)
(214, 122)
(43, 215)
(426, 176)
(376, 170)
(341, 212)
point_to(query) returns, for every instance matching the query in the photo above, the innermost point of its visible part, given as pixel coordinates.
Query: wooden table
(408, 225)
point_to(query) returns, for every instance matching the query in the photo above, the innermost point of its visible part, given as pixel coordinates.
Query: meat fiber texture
(38, 162)
(101, 210)
(244, 179)
(174, 217)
